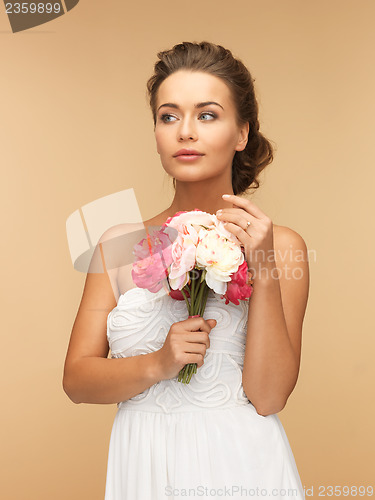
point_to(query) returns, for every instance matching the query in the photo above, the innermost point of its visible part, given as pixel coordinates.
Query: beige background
(75, 126)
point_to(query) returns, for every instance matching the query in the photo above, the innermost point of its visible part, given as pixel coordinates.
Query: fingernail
(226, 196)
(219, 212)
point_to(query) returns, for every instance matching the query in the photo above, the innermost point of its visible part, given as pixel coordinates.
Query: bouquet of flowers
(195, 253)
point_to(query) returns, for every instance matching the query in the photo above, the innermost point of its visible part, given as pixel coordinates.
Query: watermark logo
(85, 226)
(25, 15)
(231, 491)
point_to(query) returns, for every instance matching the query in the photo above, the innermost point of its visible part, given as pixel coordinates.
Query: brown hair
(218, 61)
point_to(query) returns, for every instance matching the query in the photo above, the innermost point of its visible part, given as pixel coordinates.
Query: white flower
(220, 256)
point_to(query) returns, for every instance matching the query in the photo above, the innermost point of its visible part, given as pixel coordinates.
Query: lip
(188, 152)
(188, 158)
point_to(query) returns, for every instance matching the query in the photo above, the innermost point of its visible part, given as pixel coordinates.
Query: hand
(186, 343)
(257, 238)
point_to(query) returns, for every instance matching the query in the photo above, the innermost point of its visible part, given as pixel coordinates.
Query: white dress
(202, 439)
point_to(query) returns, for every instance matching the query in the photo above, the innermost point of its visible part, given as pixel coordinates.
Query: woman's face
(210, 129)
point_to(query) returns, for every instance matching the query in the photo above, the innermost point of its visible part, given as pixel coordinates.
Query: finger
(235, 212)
(198, 324)
(197, 350)
(239, 219)
(196, 358)
(197, 338)
(246, 204)
(195, 346)
(235, 231)
(232, 211)
(238, 231)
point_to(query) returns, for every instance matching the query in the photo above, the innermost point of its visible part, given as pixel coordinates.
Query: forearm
(110, 380)
(270, 367)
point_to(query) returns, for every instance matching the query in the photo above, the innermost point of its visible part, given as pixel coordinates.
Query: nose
(187, 131)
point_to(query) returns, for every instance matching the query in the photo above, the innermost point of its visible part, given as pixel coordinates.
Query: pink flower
(177, 214)
(183, 256)
(197, 218)
(153, 256)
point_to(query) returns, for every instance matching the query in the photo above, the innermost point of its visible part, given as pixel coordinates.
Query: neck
(204, 195)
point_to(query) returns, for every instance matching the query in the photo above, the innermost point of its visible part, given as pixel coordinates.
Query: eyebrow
(198, 105)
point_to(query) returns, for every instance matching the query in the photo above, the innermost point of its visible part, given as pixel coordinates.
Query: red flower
(177, 294)
(239, 288)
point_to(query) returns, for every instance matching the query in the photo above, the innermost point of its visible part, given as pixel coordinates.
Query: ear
(243, 137)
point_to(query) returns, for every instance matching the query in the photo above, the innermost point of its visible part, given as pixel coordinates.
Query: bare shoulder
(116, 246)
(285, 237)
(158, 220)
(119, 230)
(131, 227)
(291, 255)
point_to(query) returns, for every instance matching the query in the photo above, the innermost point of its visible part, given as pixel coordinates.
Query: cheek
(222, 140)
(157, 134)
(161, 140)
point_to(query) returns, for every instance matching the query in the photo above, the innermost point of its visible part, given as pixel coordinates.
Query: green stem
(193, 291)
(207, 291)
(186, 300)
(200, 296)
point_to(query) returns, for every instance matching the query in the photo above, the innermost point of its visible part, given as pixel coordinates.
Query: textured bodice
(140, 323)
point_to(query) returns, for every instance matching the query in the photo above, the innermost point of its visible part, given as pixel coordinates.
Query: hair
(218, 61)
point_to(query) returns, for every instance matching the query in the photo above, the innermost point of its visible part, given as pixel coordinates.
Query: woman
(219, 435)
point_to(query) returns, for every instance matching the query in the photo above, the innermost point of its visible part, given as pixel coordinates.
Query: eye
(209, 114)
(162, 117)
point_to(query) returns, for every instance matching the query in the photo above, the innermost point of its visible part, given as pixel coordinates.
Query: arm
(104, 381)
(89, 376)
(274, 331)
